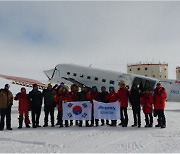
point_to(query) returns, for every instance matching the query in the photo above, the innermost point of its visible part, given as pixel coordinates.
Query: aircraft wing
(23, 81)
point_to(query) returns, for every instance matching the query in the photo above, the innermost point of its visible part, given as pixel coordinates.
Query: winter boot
(9, 128)
(114, 122)
(71, 123)
(87, 124)
(45, 125)
(52, 123)
(102, 122)
(122, 122)
(134, 125)
(80, 123)
(20, 123)
(147, 122)
(126, 123)
(92, 123)
(61, 123)
(163, 125)
(151, 123)
(66, 123)
(34, 125)
(159, 123)
(107, 122)
(77, 123)
(27, 126)
(27, 122)
(97, 123)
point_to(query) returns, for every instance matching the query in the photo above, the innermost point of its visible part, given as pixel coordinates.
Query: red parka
(61, 99)
(23, 101)
(159, 98)
(123, 95)
(112, 97)
(147, 103)
(65, 97)
(72, 97)
(92, 96)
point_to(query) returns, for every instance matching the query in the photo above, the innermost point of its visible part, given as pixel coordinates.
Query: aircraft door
(144, 83)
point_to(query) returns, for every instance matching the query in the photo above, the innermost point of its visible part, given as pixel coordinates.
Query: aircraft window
(88, 77)
(138, 69)
(74, 74)
(103, 80)
(111, 82)
(68, 73)
(96, 78)
(129, 69)
(81, 76)
(154, 76)
(165, 76)
(146, 68)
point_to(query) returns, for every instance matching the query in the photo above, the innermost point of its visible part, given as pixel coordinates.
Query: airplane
(88, 76)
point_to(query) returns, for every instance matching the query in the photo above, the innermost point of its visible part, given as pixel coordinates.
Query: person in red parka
(60, 98)
(159, 105)
(123, 97)
(23, 107)
(93, 94)
(72, 97)
(112, 97)
(57, 88)
(147, 104)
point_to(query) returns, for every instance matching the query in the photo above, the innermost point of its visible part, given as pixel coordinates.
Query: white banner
(77, 110)
(108, 111)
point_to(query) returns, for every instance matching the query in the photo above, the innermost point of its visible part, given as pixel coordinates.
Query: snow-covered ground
(95, 139)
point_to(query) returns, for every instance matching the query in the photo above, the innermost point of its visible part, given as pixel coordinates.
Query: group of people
(151, 102)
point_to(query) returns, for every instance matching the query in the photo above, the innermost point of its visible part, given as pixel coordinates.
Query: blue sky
(35, 36)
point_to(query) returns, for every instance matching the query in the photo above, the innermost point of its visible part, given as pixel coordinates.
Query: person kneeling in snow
(23, 107)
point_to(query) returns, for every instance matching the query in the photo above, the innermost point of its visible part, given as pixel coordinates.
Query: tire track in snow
(30, 142)
(118, 142)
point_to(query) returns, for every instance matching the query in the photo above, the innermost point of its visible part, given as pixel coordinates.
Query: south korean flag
(77, 110)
